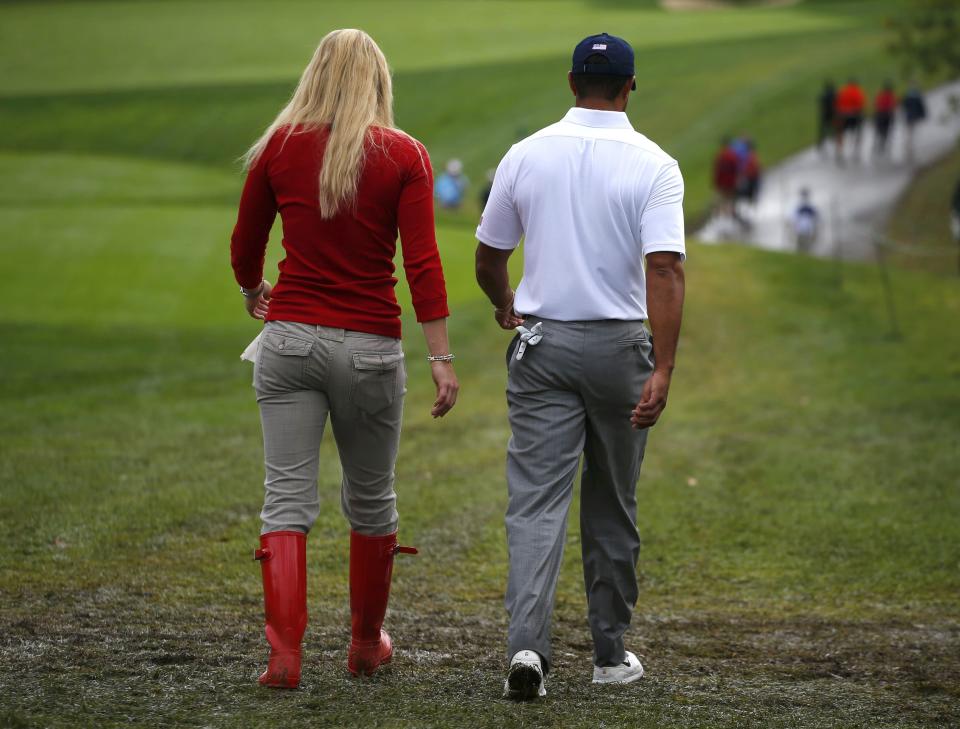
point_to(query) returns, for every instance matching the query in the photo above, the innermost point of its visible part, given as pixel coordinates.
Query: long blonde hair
(347, 86)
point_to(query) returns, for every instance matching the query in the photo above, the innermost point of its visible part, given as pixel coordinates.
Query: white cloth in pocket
(250, 353)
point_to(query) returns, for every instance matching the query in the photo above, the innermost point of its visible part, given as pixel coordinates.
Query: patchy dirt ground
(114, 657)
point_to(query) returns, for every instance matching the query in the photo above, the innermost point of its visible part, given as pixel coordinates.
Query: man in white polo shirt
(592, 199)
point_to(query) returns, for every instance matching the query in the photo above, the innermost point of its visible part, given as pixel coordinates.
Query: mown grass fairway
(799, 501)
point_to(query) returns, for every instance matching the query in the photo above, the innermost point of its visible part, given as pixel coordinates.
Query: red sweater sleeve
(258, 209)
(421, 258)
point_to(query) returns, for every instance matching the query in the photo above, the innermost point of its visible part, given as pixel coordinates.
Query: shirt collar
(597, 118)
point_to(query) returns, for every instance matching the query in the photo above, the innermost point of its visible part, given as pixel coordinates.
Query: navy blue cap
(617, 51)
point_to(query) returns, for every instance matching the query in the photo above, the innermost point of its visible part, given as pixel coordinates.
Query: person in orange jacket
(851, 103)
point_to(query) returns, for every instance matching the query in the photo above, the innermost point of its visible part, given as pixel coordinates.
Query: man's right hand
(652, 401)
(508, 319)
(494, 279)
(506, 316)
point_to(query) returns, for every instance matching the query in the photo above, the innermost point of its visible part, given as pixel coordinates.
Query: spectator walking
(726, 168)
(806, 223)
(956, 200)
(826, 104)
(914, 112)
(884, 108)
(485, 190)
(748, 174)
(451, 186)
(741, 147)
(850, 104)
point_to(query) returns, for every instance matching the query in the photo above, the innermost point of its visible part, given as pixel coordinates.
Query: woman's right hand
(447, 388)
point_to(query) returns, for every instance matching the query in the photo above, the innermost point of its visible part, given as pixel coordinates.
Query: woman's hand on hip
(447, 388)
(257, 305)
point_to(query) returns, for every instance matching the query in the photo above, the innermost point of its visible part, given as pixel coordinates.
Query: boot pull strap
(262, 554)
(405, 550)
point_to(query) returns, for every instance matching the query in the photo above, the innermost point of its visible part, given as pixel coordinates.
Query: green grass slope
(799, 500)
(109, 45)
(919, 226)
(191, 81)
(798, 503)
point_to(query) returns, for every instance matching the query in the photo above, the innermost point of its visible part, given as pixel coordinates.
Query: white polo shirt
(591, 197)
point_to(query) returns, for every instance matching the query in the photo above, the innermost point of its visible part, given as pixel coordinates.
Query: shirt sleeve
(258, 210)
(500, 225)
(661, 222)
(418, 240)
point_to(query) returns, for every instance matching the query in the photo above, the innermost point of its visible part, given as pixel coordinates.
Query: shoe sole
(523, 683)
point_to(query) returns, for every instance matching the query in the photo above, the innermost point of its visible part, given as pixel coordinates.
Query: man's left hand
(652, 401)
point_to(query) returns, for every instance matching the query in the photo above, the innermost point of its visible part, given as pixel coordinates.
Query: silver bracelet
(252, 293)
(441, 357)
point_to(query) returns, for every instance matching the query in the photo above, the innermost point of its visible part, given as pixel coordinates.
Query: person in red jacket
(344, 181)
(884, 107)
(726, 170)
(851, 103)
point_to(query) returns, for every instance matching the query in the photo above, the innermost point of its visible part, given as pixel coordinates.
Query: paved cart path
(853, 199)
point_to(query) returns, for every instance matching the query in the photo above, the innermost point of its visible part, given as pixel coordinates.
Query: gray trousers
(572, 394)
(305, 373)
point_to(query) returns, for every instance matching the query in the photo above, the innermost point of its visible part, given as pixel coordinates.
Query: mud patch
(77, 664)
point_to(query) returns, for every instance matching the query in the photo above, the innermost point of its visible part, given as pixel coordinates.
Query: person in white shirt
(592, 199)
(806, 223)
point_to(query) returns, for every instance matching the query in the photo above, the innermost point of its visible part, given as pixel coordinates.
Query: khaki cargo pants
(305, 373)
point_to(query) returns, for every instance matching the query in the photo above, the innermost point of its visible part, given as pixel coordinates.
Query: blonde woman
(345, 181)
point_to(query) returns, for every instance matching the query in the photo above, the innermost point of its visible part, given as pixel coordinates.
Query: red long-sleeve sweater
(339, 272)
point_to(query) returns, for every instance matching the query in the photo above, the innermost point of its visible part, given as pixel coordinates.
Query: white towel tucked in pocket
(250, 353)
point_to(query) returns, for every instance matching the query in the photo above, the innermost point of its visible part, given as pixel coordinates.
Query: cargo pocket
(281, 362)
(377, 379)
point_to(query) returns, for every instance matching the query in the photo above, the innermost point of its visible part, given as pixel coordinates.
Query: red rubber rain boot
(283, 560)
(371, 567)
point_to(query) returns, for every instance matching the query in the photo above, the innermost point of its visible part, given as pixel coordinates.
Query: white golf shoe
(525, 678)
(627, 672)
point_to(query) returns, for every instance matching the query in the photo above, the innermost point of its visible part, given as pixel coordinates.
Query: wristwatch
(252, 293)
